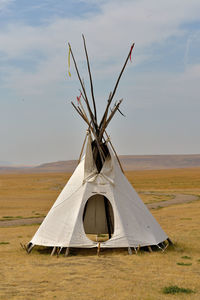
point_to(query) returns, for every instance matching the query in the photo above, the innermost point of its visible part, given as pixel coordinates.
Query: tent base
(57, 250)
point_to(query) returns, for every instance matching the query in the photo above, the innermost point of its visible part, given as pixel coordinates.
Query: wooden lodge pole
(116, 85)
(91, 84)
(84, 91)
(114, 151)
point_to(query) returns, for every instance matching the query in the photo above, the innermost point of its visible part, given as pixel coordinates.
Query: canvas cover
(133, 223)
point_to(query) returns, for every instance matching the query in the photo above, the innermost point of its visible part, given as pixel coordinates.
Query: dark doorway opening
(98, 218)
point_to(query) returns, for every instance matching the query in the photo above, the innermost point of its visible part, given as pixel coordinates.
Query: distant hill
(5, 163)
(129, 163)
(59, 166)
(152, 162)
(7, 169)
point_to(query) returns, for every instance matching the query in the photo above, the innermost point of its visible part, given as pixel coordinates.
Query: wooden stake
(53, 251)
(59, 251)
(67, 252)
(170, 241)
(167, 244)
(28, 248)
(160, 248)
(23, 246)
(98, 249)
(130, 251)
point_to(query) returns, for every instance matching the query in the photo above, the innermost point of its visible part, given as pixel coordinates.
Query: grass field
(32, 195)
(115, 274)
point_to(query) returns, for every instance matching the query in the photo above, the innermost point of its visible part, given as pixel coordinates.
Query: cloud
(192, 41)
(109, 34)
(160, 88)
(4, 4)
(144, 22)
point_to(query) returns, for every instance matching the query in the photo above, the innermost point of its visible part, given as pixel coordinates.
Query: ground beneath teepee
(115, 274)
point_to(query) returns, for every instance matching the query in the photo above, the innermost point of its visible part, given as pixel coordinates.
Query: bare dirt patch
(178, 199)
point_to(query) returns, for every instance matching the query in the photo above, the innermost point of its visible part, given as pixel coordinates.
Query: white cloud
(145, 22)
(192, 41)
(4, 4)
(109, 35)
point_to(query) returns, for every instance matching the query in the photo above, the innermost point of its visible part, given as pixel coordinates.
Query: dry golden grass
(32, 195)
(113, 275)
(163, 185)
(29, 195)
(172, 180)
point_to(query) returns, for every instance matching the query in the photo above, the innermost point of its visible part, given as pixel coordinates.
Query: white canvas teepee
(133, 224)
(98, 199)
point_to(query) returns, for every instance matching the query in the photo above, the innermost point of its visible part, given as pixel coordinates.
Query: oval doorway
(98, 218)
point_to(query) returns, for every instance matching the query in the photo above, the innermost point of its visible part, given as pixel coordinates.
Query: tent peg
(59, 251)
(130, 251)
(67, 252)
(160, 248)
(98, 249)
(53, 251)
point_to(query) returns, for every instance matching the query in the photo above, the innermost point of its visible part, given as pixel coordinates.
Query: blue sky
(160, 87)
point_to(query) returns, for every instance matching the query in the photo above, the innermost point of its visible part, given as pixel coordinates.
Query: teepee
(98, 200)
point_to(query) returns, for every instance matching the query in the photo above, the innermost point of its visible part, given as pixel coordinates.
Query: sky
(160, 87)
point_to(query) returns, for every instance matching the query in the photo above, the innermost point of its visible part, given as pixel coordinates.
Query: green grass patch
(186, 257)
(4, 218)
(159, 207)
(28, 225)
(183, 264)
(4, 243)
(102, 235)
(174, 289)
(12, 218)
